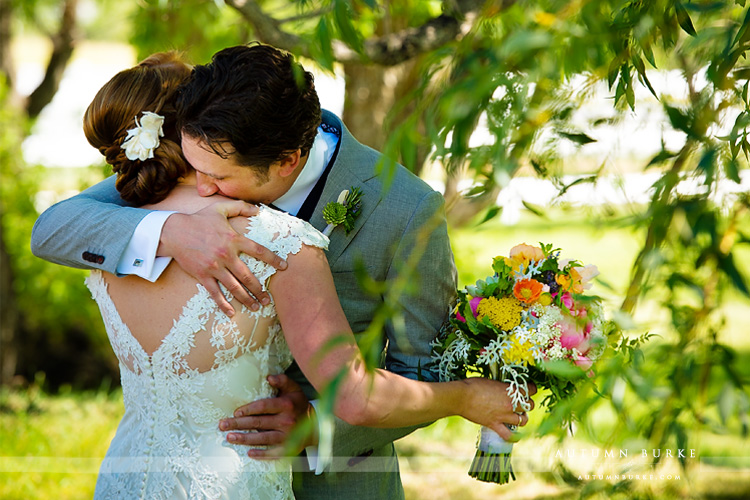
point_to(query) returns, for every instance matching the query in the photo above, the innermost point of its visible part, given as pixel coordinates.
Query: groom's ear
(288, 165)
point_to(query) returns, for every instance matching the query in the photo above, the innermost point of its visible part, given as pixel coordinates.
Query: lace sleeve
(282, 234)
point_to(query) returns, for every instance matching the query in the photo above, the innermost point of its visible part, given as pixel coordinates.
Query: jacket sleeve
(421, 312)
(88, 231)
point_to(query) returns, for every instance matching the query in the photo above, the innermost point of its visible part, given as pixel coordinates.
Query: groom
(253, 130)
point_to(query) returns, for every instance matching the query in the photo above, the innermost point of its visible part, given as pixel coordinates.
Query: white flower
(587, 273)
(144, 138)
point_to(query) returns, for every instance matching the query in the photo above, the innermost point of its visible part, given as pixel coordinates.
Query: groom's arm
(93, 229)
(90, 230)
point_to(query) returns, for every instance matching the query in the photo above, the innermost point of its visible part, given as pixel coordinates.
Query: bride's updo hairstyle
(149, 86)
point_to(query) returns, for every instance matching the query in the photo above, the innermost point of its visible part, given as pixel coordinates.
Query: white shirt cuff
(139, 257)
(320, 457)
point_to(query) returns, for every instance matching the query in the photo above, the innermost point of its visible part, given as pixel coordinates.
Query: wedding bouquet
(529, 322)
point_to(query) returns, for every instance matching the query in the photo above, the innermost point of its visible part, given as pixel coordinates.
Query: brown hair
(149, 86)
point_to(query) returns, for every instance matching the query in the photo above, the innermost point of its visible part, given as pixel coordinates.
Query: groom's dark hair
(252, 102)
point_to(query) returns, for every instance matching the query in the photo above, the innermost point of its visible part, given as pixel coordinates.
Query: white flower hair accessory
(144, 138)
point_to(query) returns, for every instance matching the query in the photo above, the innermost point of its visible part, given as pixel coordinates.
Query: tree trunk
(371, 94)
(6, 64)
(62, 50)
(367, 101)
(8, 314)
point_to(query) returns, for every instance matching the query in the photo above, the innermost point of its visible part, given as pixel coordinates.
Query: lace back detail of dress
(173, 406)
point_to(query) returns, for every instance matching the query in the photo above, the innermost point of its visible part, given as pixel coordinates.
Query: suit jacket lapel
(344, 175)
(339, 180)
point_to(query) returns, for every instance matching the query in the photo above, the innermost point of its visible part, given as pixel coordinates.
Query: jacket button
(359, 458)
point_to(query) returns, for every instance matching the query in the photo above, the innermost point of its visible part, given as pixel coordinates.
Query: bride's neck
(183, 197)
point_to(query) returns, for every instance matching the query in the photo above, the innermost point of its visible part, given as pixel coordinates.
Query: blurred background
(615, 130)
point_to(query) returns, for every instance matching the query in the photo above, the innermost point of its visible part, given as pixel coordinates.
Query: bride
(185, 364)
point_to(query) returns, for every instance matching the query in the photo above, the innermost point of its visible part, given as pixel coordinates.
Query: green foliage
(59, 322)
(194, 27)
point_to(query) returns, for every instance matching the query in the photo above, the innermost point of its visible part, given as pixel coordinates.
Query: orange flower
(527, 291)
(526, 253)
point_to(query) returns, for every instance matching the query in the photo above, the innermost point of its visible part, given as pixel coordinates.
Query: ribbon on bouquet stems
(492, 461)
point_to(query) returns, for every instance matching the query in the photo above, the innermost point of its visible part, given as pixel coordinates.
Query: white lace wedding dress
(168, 444)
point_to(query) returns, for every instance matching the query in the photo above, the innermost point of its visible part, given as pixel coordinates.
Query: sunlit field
(52, 444)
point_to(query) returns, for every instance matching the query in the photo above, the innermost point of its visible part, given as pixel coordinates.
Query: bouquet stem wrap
(492, 461)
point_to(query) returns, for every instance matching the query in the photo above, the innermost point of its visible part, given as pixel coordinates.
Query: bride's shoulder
(271, 227)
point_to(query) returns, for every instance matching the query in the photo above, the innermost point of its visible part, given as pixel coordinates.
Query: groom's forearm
(88, 231)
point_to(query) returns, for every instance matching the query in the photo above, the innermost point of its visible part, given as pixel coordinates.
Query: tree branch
(62, 51)
(305, 16)
(267, 28)
(388, 50)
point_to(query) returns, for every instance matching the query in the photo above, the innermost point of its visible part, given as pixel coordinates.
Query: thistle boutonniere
(344, 210)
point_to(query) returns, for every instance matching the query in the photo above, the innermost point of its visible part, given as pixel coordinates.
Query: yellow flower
(545, 299)
(515, 265)
(504, 313)
(572, 282)
(519, 353)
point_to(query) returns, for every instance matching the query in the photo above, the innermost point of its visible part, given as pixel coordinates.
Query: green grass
(52, 445)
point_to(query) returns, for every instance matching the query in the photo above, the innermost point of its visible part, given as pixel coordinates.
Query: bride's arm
(323, 345)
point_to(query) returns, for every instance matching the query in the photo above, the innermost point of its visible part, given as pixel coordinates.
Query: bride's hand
(487, 403)
(207, 247)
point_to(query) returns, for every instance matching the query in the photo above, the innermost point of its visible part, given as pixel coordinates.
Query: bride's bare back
(150, 309)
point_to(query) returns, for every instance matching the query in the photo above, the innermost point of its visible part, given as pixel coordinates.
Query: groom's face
(217, 175)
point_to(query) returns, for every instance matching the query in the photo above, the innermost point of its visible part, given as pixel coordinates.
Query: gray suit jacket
(92, 229)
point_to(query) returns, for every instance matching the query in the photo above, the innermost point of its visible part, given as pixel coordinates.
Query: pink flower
(567, 300)
(583, 363)
(585, 346)
(474, 303)
(573, 337)
(570, 336)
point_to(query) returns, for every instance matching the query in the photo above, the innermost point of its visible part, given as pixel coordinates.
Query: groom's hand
(206, 246)
(487, 403)
(272, 418)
